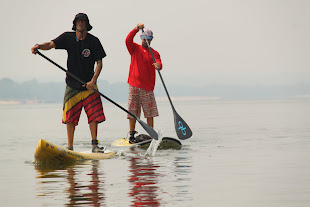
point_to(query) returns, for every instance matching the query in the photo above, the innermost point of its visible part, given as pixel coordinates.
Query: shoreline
(165, 99)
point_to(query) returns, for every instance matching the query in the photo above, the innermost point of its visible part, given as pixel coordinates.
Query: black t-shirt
(82, 56)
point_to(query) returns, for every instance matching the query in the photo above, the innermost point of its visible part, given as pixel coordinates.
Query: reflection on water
(153, 181)
(143, 179)
(160, 181)
(79, 191)
(85, 194)
(183, 170)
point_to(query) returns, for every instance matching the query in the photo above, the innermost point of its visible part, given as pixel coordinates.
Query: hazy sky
(200, 41)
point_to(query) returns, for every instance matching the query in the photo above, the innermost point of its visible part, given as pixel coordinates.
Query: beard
(144, 45)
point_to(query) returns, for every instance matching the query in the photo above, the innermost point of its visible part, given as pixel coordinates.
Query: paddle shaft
(182, 129)
(162, 80)
(150, 131)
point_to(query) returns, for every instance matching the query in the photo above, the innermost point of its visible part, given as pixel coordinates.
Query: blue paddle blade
(182, 129)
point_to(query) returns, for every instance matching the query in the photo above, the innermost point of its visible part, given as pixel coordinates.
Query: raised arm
(129, 40)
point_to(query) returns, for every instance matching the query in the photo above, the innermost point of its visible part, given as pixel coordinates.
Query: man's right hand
(35, 48)
(43, 46)
(139, 26)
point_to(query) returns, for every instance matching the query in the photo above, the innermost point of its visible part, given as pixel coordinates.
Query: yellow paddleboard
(46, 152)
(166, 143)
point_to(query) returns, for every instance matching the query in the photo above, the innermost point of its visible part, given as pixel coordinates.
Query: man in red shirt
(141, 79)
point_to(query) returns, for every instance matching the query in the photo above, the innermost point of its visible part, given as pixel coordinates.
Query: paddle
(147, 128)
(182, 129)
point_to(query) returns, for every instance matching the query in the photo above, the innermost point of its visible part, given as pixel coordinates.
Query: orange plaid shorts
(138, 98)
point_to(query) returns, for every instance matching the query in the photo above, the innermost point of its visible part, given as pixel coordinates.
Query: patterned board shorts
(75, 100)
(138, 98)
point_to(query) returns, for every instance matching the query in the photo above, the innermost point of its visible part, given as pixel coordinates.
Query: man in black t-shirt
(84, 50)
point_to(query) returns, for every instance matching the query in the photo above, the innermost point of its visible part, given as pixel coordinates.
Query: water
(151, 150)
(242, 153)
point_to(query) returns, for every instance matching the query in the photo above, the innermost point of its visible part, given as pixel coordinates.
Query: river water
(242, 153)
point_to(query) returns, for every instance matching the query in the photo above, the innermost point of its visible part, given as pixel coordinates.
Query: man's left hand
(90, 85)
(157, 65)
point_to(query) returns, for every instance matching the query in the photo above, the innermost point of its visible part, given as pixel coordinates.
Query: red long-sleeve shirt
(142, 72)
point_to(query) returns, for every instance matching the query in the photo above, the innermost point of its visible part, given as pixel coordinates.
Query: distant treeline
(52, 92)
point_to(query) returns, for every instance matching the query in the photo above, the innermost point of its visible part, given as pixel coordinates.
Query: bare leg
(70, 133)
(93, 126)
(150, 121)
(132, 124)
